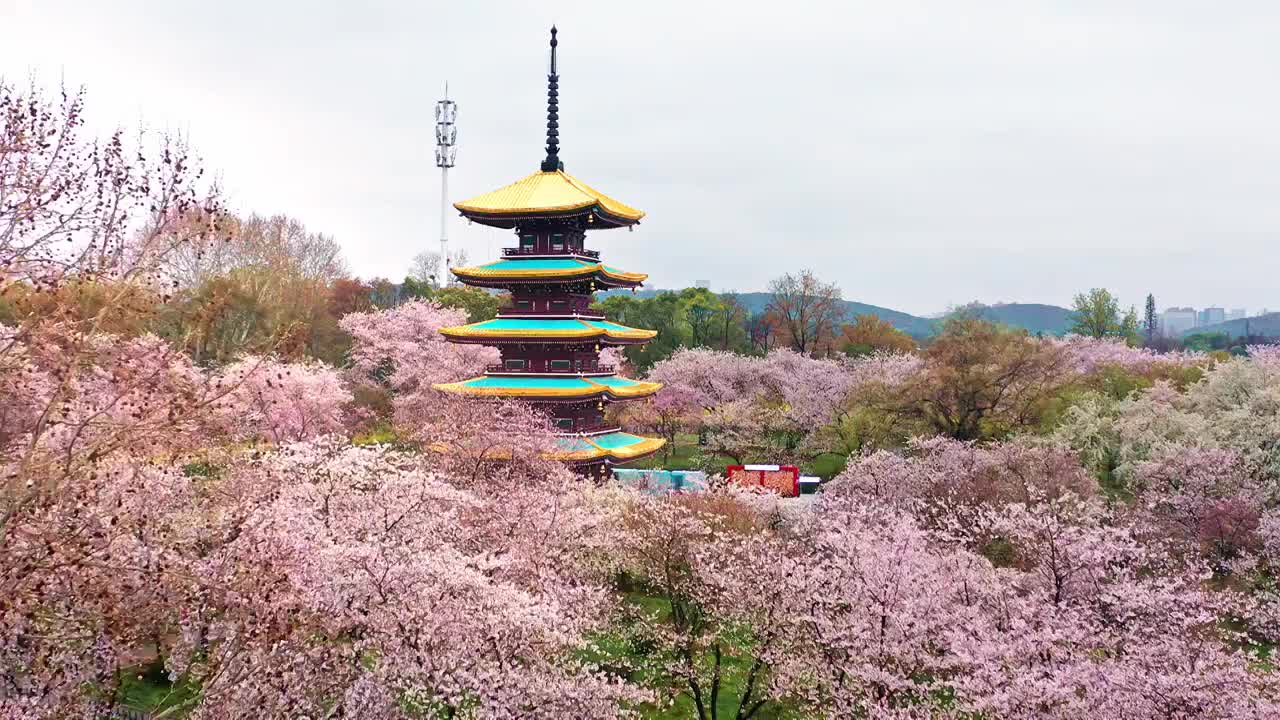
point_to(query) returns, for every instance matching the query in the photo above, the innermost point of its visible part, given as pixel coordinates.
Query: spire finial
(552, 163)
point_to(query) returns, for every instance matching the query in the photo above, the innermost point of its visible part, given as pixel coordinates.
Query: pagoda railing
(598, 427)
(515, 251)
(582, 313)
(587, 369)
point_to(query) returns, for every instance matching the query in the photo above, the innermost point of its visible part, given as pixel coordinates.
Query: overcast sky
(919, 154)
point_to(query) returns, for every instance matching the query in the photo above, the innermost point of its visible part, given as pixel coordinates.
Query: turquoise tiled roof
(614, 381)
(508, 381)
(529, 324)
(539, 264)
(616, 440)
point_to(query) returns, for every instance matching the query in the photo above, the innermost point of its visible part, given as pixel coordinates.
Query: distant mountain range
(1268, 325)
(912, 325)
(1033, 317)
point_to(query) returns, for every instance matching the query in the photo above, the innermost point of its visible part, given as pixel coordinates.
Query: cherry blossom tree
(1267, 355)
(427, 600)
(1089, 355)
(77, 208)
(402, 348)
(771, 407)
(283, 402)
(317, 577)
(1101, 624)
(946, 482)
(711, 561)
(138, 394)
(670, 412)
(1205, 497)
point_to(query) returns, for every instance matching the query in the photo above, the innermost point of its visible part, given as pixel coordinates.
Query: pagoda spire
(552, 163)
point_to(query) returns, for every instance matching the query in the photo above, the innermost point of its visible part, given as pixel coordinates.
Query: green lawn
(685, 455)
(148, 689)
(624, 652)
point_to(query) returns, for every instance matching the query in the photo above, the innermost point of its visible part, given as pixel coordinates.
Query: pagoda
(548, 336)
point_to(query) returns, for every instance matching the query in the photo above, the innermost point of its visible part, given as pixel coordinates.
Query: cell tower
(446, 154)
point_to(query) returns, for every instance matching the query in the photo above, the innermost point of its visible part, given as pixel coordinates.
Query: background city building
(1177, 320)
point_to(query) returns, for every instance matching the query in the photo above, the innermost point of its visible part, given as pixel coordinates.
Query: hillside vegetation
(1268, 325)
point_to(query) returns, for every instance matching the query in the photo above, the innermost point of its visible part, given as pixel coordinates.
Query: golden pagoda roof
(547, 194)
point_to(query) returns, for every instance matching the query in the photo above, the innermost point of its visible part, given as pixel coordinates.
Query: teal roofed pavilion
(549, 337)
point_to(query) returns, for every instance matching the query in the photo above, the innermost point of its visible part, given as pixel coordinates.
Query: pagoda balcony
(547, 309)
(583, 369)
(519, 251)
(596, 428)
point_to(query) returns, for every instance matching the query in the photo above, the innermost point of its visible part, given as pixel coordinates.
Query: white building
(1177, 320)
(1212, 316)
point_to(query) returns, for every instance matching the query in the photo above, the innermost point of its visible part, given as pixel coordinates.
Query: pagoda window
(561, 365)
(527, 241)
(557, 242)
(564, 423)
(526, 305)
(514, 364)
(560, 306)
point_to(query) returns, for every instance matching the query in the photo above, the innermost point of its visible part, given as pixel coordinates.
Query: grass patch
(380, 434)
(149, 690)
(629, 650)
(685, 454)
(826, 466)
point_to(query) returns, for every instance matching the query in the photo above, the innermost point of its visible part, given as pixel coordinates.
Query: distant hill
(1033, 317)
(912, 325)
(1268, 325)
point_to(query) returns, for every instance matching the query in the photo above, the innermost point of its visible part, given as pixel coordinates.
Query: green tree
(1097, 314)
(665, 313)
(701, 308)
(1150, 322)
(1205, 342)
(479, 304)
(979, 381)
(693, 317)
(732, 325)
(416, 289)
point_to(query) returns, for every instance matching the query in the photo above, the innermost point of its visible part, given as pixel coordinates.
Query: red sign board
(782, 479)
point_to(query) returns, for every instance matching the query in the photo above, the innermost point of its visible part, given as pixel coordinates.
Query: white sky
(920, 154)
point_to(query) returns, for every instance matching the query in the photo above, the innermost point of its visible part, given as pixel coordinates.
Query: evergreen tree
(1150, 322)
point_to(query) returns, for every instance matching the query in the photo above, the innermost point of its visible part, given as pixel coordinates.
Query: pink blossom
(404, 344)
(941, 476)
(771, 407)
(1089, 354)
(283, 402)
(1266, 355)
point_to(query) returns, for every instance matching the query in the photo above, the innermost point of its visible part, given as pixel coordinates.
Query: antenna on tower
(446, 155)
